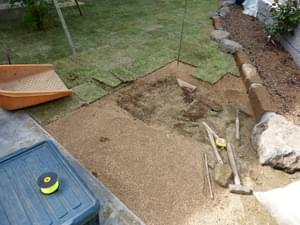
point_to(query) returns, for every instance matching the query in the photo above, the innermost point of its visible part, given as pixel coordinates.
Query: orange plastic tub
(22, 86)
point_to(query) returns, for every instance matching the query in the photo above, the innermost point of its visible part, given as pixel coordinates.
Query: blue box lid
(22, 203)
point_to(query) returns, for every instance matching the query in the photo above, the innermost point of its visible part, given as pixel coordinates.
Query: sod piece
(89, 92)
(214, 68)
(51, 111)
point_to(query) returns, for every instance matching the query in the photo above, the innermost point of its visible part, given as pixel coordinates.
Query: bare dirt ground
(146, 144)
(275, 65)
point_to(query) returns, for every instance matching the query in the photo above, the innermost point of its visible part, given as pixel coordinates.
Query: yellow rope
(50, 190)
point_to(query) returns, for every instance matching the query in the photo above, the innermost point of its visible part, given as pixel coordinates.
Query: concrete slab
(19, 130)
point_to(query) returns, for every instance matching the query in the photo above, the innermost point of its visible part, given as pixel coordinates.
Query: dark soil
(276, 67)
(159, 101)
(149, 102)
(164, 103)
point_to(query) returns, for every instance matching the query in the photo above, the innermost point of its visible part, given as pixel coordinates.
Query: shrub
(285, 16)
(37, 11)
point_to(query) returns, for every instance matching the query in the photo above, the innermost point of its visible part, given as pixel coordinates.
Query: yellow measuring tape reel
(221, 143)
(48, 183)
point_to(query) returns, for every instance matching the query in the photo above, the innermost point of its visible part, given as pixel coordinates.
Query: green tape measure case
(48, 183)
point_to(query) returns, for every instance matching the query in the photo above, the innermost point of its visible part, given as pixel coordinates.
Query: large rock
(229, 46)
(219, 35)
(277, 142)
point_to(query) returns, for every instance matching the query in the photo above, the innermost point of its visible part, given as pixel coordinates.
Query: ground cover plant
(286, 17)
(117, 41)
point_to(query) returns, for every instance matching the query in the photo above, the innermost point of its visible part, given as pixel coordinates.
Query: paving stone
(260, 100)
(229, 46)
(250, 75)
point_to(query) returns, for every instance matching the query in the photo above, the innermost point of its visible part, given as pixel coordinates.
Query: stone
(277, 142)
(222, 174)
(229, 46)
(219, 35)
(260, 100)
(224, 11)
(212, 14)
(250, 75)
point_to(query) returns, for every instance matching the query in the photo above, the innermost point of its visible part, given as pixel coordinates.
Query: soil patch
(144, 142)
(163, 102)
(275, 65)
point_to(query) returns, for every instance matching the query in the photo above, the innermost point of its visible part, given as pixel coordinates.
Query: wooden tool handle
(237, 125)
(213, 144)
(232, 162)
(210, 130)
(208, 177)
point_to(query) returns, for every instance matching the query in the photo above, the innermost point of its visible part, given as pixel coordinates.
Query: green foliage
(37, 11)
(286, 17)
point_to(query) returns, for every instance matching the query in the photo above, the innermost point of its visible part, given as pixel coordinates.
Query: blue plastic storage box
(22, 203)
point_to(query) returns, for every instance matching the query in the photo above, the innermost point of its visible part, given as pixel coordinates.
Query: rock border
(274, 138)
(258, 94)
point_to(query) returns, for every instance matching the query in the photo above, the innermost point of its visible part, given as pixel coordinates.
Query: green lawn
(117, 41)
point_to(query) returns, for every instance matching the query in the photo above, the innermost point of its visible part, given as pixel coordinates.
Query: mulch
(275, 65)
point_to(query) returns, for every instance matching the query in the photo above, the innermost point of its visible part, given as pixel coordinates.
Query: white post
(64, 25)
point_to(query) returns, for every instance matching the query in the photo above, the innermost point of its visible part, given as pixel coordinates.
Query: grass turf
(117, 41)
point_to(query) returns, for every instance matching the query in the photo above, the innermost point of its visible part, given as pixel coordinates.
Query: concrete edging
(258, 94)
